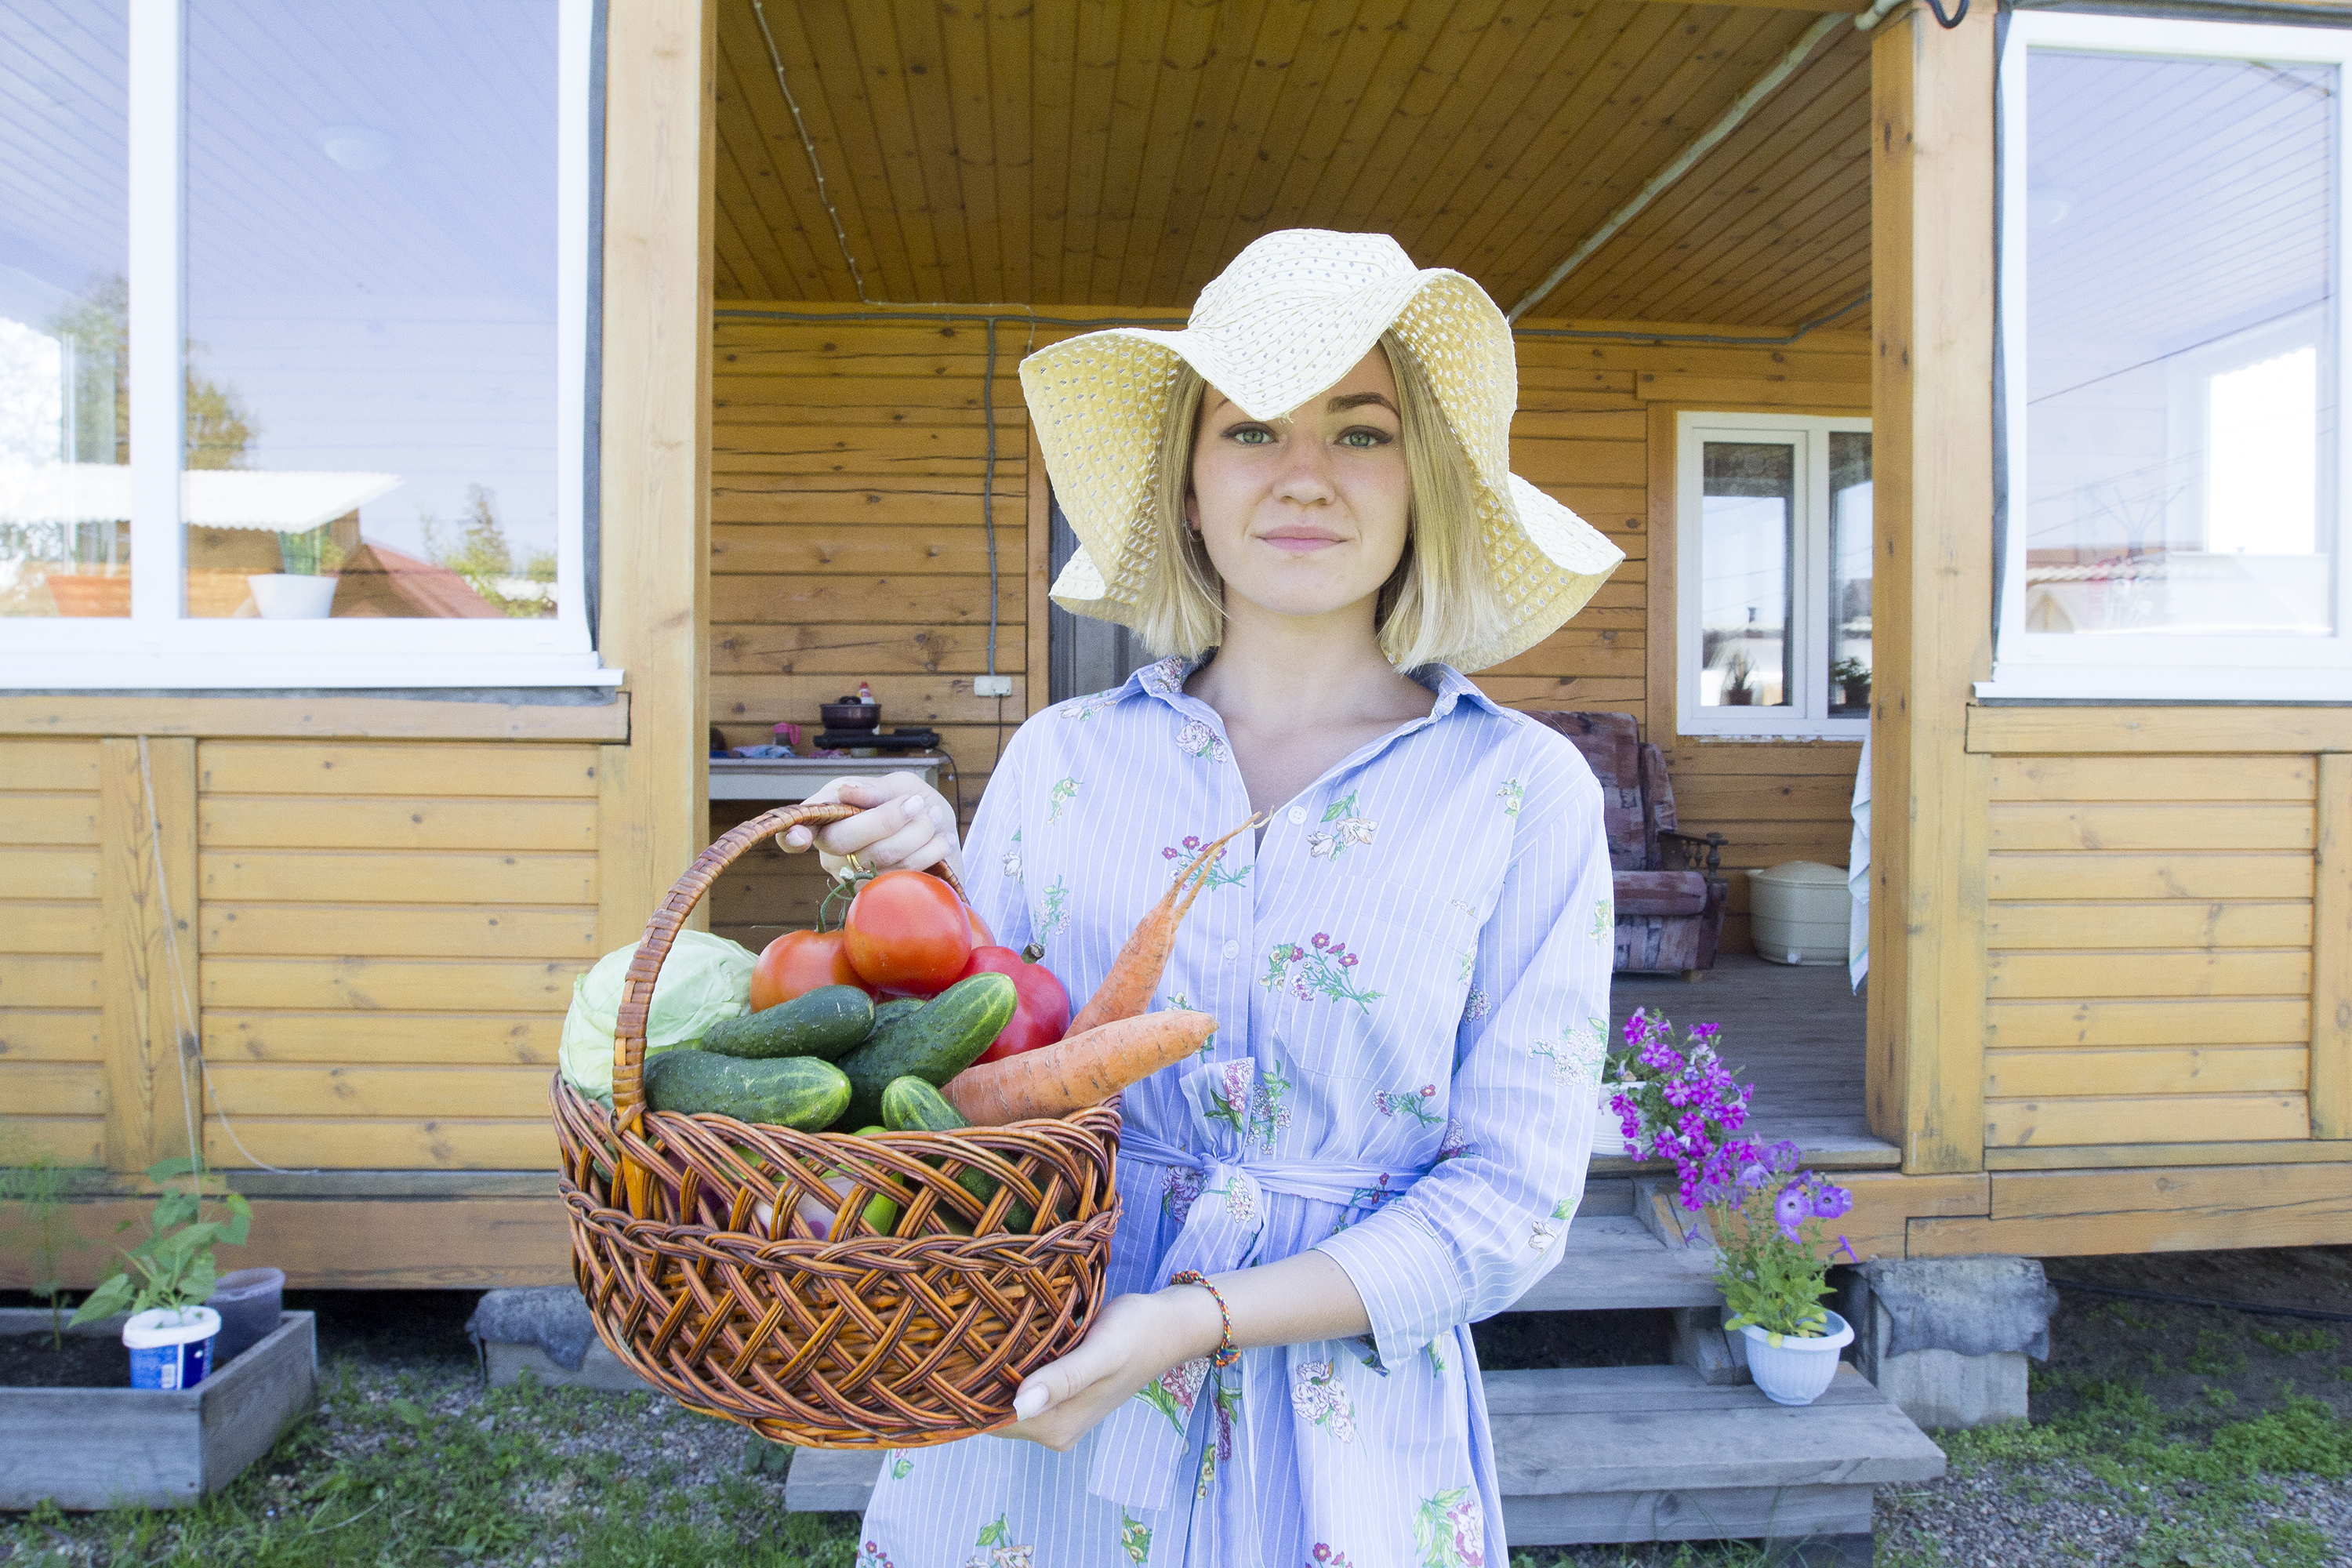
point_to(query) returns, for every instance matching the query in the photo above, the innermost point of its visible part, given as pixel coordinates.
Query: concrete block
(1947, 1389)
(1948, 1338)
(599, 1369)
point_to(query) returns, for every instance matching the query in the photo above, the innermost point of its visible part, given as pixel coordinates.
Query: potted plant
(1739, 684)
(305, 590)
(1851, 677)
(170, 1330)
(1682, 1104)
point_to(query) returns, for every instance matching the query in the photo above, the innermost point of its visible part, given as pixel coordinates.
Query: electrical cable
(2255, 1308)
(808, 147)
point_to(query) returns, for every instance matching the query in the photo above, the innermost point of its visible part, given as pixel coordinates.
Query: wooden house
(320, 887)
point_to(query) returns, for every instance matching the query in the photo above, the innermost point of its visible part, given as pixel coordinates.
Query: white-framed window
(2173, 269)
(293, 343)
(1772, 570)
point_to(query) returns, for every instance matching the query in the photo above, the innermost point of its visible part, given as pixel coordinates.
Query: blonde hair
(1440, 600)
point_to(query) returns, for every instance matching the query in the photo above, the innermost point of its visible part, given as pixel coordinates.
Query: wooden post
(2331, 953)
(1932, 257)
(144, 997)
(655, 506)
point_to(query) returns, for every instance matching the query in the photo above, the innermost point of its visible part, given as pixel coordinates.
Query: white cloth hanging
(1857, 875)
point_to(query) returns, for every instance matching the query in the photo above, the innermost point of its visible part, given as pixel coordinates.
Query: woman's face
(1304, 515)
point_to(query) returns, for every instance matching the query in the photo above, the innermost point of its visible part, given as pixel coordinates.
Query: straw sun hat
(1293, 314)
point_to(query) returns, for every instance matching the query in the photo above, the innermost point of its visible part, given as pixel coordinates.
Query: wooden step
(1630, 1453)
(1616, 1261)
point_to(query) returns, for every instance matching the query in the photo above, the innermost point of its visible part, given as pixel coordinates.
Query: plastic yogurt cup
(170, 1348)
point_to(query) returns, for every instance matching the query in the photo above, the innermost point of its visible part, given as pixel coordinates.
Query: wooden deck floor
(1797, 1034)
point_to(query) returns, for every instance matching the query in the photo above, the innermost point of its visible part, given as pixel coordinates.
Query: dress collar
(1166, 681)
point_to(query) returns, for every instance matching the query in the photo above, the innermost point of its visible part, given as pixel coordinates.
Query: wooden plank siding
(2149, 969)
(389, 934)
(52, 1063)
(848, 542)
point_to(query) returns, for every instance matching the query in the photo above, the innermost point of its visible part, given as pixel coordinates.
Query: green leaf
(240, 1220)
(165, 1170)
(105, 1301)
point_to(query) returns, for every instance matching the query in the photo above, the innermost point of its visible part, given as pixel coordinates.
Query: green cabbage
(704, 980)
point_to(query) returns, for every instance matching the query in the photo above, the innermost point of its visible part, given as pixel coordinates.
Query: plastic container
(1796, 1371)
(284, 596)
(1799, 912)
(170, 1347)
(249, 1302)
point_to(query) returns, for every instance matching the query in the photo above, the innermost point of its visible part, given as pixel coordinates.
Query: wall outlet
(992, 686)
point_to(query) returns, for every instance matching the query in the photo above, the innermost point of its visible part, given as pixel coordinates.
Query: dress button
(1233, 950)
(1297, 814)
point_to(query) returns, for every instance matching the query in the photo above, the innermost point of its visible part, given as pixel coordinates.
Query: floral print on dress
(871, 1556)
(1179, 1190)
(1197, 740)
(1449, 1530)
(1604, 919)
(1057, 797)
(1010, 860)
(1213, 875)
(994, 1549)
(1579, 1055)
(1476, 1005)
(1323, 972)
(1054, 918)
(1374, 1197)
(1085, 708)
(1220, 1449)
(901, 1467)
(1328, 1556)
(1176, 1391)
(1317, 1396)
(1341, 828)
(1513, 794)
(1134, 1537)
(1456, 1143)
(1252, 1105)
(1540, 1236)
(1167, 677)
(1414, 1102)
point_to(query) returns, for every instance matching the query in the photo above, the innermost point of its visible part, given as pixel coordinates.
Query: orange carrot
(1077, 1071)
(1127, 990)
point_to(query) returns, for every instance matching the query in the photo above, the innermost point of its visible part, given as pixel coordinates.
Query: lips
(1295, 540)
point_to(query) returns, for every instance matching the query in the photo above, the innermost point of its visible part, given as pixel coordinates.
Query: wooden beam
(1932, 262)
(655, 501)
(2217, 727)
(2117, 1156)
(1664, 702)
(144, 994)
(331, 716)
(2061, 1214)
(2331, 955)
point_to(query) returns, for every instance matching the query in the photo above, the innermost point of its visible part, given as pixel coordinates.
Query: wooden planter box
(117, 1447)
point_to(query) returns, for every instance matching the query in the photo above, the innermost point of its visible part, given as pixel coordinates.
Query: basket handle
(661, 932)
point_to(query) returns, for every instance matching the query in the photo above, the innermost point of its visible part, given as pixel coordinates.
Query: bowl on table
(850, 715)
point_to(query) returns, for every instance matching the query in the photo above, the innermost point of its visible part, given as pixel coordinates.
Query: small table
(797, 778)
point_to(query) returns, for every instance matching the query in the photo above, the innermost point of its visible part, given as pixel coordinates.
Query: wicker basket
(692, 1241)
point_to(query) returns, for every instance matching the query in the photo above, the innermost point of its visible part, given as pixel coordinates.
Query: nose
(1306, 479)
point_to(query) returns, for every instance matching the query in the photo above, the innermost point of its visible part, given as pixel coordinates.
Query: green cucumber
(891, 1009)
(933, 1043)
(802, 1093)
(825, 1022)
(911, 1105)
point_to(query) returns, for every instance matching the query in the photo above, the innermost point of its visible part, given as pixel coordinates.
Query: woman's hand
(906, 826)
(1134, 1340)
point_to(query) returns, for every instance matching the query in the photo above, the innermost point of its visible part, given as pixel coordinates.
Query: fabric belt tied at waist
(1140, 1447)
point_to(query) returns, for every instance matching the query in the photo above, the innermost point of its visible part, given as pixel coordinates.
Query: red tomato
(907, 930)
(798, 962)
(980, 935)
(1043, 1013)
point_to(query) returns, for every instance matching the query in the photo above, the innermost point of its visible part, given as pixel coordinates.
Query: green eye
(1364, 440)
(1252, 435)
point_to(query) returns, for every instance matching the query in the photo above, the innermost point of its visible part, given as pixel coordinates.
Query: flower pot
(249, 1302)
(1795, 1371)
(170, 1348)
(90, 592)
(284, 596)
(1608, 1132)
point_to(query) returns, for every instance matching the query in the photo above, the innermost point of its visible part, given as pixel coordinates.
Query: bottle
(864, 692)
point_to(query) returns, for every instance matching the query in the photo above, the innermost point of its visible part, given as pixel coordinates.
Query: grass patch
(401, 1471)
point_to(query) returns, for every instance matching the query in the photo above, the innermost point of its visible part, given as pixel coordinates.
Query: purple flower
(1790, 1209)
(1191, 841)
(1348, 961)
(1166, 854)
(1296, 953)
(1427, 1090)
(1322, 939)
(1830, 1201)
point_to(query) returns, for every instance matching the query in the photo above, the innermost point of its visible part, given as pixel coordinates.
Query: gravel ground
(2163, 1437)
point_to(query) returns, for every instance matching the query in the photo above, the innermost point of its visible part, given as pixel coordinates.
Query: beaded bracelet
(1226, 1353)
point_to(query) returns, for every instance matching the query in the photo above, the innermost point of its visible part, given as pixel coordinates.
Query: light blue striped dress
(1411, 976)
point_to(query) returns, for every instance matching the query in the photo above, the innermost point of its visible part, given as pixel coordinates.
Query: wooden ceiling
(1088, 151)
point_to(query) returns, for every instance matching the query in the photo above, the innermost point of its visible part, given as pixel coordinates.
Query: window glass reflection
(1850, 562)
(1748, 499)
(64, 430)
(372, 308)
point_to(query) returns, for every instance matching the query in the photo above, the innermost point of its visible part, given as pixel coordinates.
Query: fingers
(905, 824)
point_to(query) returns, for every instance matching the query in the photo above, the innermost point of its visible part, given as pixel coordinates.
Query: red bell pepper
(1041, 1015)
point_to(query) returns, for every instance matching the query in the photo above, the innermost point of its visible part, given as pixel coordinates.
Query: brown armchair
(1671, 893)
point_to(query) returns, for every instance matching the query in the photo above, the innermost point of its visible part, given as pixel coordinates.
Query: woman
(1304, 496)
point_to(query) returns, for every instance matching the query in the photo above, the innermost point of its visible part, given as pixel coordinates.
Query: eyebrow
(1358, 400)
